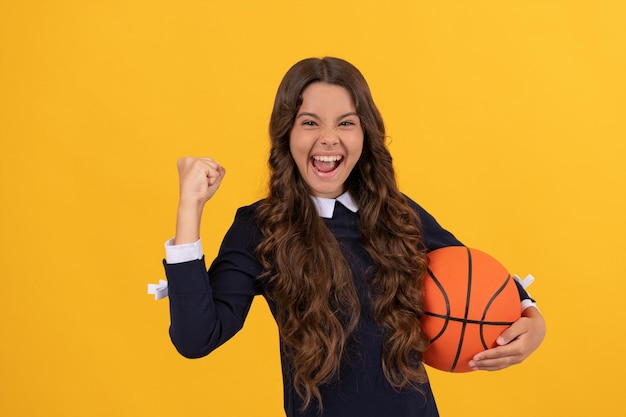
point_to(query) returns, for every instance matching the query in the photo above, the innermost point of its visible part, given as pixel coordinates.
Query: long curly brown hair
(308, 278)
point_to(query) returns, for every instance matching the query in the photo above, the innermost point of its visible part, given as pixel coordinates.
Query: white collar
(326, 206)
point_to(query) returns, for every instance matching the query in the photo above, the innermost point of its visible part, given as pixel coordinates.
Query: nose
(329, 137)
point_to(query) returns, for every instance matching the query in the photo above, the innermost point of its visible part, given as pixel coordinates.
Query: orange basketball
(469, 300)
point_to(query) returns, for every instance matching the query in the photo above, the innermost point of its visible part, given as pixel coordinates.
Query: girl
(335, 248)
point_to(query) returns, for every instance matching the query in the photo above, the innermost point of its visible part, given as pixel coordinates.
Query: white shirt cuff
(528, 303)
(176, 254)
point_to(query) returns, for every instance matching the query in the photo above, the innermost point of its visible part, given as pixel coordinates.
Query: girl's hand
(515, 344)
(199, 179)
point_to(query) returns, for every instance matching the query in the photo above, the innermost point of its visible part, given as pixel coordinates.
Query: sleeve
(435, 237)
(209, 307)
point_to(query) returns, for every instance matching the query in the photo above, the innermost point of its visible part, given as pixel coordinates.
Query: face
(326, 140)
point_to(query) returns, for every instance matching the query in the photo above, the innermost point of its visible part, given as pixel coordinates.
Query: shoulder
(250, 208)
(245, 223)
(418, 209)
(411, 202)
(434, 235)
(248, 212)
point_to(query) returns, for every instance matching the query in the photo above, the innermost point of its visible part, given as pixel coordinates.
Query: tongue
(323, 166)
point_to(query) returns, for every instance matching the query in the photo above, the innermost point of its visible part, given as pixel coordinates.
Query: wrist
(188, 223)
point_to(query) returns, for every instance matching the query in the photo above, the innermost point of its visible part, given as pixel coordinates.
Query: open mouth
(326, 163)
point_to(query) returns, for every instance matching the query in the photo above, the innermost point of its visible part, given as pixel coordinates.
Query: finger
(493, 363)
(221, 171)
(191, 163)
(209, 162)
(513, 332)
(216, 174)
(495, 353)
(490, 365)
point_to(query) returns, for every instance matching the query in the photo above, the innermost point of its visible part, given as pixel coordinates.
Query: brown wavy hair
(306, 275)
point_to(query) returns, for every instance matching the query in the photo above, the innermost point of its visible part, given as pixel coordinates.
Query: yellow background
(507, 122)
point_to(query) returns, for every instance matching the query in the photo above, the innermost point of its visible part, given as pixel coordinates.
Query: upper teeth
(324, 158)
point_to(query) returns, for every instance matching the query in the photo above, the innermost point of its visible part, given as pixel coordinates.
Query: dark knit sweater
(208, 308)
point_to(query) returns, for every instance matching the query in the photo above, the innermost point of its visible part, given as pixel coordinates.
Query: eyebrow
(315, 116)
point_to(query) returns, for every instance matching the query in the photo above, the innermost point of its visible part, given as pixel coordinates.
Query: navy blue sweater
(208, 308)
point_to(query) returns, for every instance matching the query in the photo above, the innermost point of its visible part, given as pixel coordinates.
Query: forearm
(188, 219)
(201, 319)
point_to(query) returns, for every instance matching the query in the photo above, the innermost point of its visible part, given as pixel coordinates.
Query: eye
(309, 123)
(347, 123)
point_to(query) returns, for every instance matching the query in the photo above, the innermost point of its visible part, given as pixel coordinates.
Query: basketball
(469, 300)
